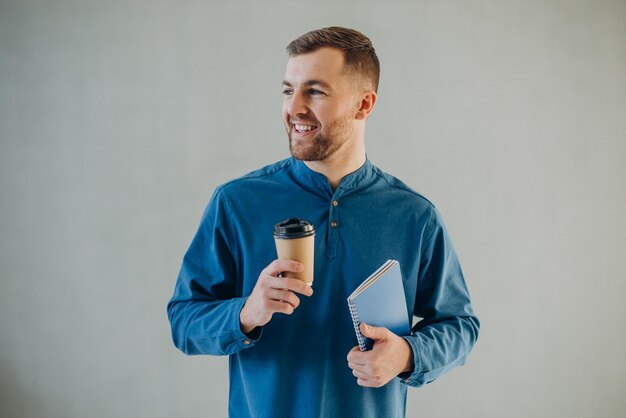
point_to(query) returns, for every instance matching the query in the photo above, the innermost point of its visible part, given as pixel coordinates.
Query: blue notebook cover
(380, 301)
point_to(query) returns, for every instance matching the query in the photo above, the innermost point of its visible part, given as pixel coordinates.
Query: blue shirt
(295, 366)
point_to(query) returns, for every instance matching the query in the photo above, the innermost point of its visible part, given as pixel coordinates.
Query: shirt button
(335, 203)
(333, 224)
(246, 342)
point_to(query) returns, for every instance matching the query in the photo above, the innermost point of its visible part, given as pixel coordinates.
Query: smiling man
(293, 351)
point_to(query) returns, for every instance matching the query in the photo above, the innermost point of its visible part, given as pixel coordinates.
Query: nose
(295, 104)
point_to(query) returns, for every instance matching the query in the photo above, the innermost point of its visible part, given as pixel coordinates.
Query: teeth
(304, 127)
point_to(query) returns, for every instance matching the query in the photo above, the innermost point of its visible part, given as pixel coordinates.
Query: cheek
(340, 111)
(321, 113)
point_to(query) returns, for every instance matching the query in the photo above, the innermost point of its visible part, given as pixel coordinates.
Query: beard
(324, 144)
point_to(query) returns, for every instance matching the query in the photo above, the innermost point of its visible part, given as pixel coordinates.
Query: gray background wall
(119, 118)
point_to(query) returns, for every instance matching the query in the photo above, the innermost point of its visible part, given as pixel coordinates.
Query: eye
(315, 92)
(287, 92)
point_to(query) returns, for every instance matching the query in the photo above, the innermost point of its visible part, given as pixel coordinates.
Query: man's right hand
(273, 294)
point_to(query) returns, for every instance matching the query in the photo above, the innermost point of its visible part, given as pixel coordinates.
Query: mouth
(303, 129)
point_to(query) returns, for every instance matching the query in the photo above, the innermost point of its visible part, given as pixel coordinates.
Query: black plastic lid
(293, 228)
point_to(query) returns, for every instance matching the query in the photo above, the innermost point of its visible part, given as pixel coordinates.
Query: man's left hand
(390, 356)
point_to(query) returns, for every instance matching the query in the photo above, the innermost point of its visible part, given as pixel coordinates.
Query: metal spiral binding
(355, 321)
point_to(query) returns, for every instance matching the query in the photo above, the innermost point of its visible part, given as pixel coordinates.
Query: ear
(368, 100)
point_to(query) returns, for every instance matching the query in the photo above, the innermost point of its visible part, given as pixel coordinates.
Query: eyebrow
(310, 83)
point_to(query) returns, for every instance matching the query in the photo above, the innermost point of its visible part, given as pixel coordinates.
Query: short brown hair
(358, 53)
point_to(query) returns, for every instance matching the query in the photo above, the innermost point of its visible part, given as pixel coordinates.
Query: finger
(276, 306)
(360, 375)
(358, 367)
(278, 266)
(355, 349)
(357, 356)
(298, 286)
(295, 285)
(282, 295)
(375, 333)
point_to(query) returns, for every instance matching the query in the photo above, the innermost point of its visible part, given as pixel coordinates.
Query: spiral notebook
(380, 301)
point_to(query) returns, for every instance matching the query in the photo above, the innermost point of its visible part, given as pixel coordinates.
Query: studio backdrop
(119, 118)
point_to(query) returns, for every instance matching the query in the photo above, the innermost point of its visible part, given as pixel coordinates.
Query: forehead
(324, 64)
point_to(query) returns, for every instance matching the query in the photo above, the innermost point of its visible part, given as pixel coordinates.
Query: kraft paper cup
(295, 240)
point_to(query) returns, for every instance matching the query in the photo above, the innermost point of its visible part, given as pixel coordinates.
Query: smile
(304, 128)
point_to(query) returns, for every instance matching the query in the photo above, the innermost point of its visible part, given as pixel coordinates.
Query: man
(293, 350)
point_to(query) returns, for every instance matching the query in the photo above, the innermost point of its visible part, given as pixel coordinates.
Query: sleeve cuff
(413, 378)
(246, 340)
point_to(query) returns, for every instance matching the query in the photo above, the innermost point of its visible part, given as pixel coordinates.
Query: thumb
(375, 333)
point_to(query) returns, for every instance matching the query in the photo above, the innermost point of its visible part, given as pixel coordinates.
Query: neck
(338, 166)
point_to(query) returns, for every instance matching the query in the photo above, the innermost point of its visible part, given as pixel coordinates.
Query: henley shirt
(296, 365)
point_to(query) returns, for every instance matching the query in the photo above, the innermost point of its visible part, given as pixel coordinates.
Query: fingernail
(300, 267)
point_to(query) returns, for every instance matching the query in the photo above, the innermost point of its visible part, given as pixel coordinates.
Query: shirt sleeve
(449, 328)
(204, 310)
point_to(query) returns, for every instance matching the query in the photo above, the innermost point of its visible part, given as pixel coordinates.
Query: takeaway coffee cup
(295, 240)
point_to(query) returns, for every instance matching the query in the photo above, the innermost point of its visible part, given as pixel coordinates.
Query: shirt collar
(360, 177)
